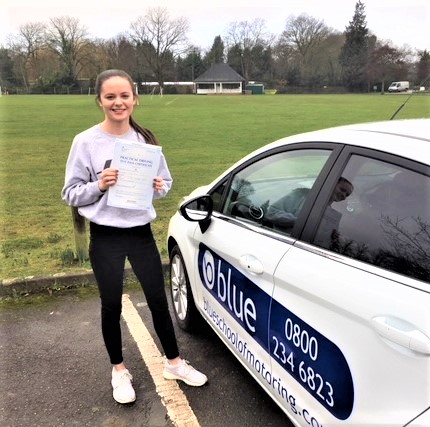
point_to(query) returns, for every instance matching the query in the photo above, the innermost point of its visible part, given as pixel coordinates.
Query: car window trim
(252, 226)
(362, 266)
(335, 148)
(311, 198)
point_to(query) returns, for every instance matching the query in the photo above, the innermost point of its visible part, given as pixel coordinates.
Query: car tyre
(186, 313)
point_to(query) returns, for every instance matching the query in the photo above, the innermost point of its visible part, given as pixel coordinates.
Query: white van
(398, 87)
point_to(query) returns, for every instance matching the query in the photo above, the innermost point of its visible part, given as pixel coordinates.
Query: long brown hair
(149, 137)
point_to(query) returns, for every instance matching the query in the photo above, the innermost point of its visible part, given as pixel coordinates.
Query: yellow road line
(172, 397)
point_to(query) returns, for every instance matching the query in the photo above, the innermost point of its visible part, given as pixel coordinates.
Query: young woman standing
(118, 233)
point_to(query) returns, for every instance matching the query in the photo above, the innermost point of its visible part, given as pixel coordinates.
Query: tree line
(308, 56)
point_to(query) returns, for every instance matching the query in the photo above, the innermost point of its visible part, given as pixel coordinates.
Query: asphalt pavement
(55, 371)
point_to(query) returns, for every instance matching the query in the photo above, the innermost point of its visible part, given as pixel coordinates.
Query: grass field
(200, 135)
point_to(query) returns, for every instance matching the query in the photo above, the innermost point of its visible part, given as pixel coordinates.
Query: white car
(310, 258)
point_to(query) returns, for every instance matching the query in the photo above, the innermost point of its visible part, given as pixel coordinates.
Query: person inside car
(282, 214)
(328, 231)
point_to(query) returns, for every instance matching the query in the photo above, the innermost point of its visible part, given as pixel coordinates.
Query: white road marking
(172, 397)
(173, 100)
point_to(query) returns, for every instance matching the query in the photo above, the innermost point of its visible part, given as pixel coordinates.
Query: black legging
(109, 248)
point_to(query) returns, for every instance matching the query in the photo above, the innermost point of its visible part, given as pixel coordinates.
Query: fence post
(80, 235)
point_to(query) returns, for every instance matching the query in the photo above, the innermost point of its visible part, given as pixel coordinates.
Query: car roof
(408, 138)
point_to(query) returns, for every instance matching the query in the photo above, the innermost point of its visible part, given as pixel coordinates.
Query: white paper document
(137, 164)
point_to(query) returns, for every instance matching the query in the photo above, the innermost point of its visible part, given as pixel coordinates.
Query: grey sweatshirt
(90, 151)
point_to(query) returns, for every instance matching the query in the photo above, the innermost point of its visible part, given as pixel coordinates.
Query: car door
(350, 318)
(239, 252)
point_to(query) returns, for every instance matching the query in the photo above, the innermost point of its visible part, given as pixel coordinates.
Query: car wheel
(180, 291)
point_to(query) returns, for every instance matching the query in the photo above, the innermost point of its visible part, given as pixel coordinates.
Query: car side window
(271, 192)
(379, 213)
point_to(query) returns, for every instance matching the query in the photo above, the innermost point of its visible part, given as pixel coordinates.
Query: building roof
(219, 73)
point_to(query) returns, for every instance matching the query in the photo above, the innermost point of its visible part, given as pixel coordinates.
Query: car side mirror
(198, 209)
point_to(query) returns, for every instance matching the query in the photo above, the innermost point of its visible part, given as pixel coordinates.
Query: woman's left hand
(158, 183)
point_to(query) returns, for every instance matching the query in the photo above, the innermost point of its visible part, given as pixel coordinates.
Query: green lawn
(201, 136)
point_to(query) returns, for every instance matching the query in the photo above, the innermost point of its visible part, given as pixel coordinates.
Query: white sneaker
(123, 391)
(184, 372)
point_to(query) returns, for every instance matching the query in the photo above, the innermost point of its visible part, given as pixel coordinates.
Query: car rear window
(384, 220)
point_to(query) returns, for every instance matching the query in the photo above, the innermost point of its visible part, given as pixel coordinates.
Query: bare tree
(321, 68)
(68, 40)
(246, 40)
(118, 52)
(25, 48)
(423, 67)
(386, 63)
(303, 33)
(301, 41)
(44, 57)
(159, 39)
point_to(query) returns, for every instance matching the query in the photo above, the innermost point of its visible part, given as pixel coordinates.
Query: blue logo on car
(307, 355)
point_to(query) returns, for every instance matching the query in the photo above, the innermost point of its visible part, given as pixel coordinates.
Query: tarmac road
(55, 372)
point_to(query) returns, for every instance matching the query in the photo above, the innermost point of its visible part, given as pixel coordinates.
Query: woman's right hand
(108, 178)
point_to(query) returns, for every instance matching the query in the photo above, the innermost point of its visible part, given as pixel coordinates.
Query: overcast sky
(403, 22)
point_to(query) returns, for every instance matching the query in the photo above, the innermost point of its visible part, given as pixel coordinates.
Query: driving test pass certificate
(137, 164)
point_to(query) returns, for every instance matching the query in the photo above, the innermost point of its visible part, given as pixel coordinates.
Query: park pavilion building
(219, 79)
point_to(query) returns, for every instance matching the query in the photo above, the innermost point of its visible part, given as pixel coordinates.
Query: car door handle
(402, 333)
(251, 263)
